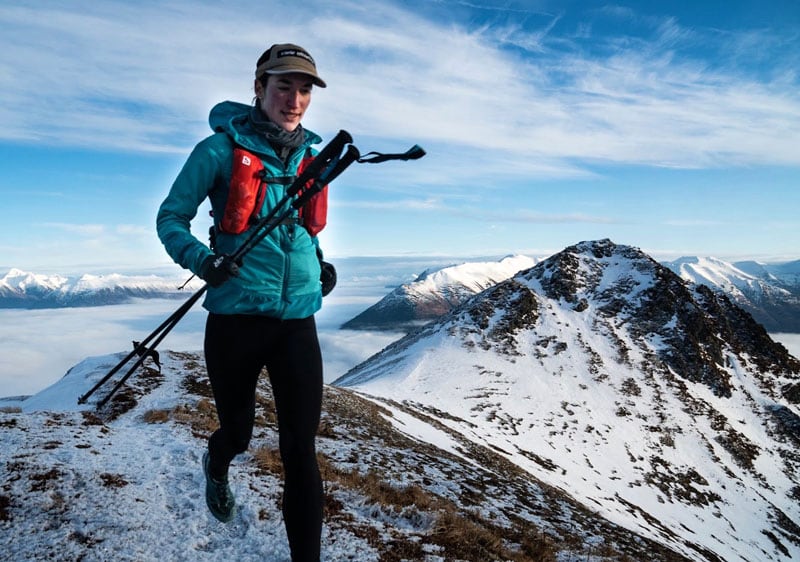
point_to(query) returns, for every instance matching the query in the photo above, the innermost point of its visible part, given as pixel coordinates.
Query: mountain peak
(603, 373)
(435, 292)
(22, 280)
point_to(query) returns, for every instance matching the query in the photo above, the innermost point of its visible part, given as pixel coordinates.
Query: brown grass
(268, 460)
(460, 536)
(451, 531)
(113, 480)
(200, 417)
(156, 416)
(467, 536)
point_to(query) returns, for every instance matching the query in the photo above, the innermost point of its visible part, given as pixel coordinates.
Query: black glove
(327, 277)
(218, 268)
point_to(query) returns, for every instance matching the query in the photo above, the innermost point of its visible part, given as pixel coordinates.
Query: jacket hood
(231, 117)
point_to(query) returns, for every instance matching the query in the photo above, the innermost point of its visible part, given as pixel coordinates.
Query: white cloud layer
(142, 77)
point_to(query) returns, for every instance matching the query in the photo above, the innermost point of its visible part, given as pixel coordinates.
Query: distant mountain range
(658, 404)
(20, 289)
(769, 292)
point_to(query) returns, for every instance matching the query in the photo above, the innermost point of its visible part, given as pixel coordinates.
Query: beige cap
(286, 58)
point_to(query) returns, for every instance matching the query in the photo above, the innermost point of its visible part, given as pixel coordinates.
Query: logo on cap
(294, 53)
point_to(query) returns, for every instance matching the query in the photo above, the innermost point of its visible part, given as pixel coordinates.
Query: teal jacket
(279, 277)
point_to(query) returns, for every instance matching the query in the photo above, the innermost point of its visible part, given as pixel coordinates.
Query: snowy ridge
(712, 271)
(785, 274)
(18, 283)
(662, 406)
(740, 285)
(124, 483)
(20, 289)
(435, 292)
(770, 293)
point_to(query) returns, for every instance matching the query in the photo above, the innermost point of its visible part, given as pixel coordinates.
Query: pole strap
(412, 153)
(331, 161)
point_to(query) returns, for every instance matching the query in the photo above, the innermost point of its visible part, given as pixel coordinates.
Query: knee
(240, 443)
(238, 430)
(297, 454)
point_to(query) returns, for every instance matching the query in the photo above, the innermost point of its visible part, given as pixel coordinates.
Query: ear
(258, 88)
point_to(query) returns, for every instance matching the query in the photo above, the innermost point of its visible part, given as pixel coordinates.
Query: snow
(421, 431)
(57, 290)
(726, 276)
(88, 282)
(21, 280)
(150, 471)
(82, 486)
(555, 410)
(474, 276)
(61, 397)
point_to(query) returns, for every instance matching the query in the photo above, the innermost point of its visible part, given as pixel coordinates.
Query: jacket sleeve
(198, 176)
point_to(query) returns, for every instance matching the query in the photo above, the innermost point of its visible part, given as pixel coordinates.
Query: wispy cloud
(78, 229)
(142, 78)
(96, 230)
(51, 246)
(405, 204)
(693, 223)
(133, 230)
(441, 208)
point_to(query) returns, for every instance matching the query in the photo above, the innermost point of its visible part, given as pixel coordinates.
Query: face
(285, 98)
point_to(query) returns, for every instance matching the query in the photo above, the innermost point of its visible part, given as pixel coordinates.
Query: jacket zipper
(286, 243)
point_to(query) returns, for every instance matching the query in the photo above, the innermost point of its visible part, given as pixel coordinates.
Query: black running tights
(236, 349)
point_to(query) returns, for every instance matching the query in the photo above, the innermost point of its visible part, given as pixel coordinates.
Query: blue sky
(670, 126)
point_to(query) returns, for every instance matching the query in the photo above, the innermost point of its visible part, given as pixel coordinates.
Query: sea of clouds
(38, 346)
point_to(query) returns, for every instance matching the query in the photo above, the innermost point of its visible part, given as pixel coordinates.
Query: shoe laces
(222, 489)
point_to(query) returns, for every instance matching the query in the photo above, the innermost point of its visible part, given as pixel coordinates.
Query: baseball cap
(285, 58)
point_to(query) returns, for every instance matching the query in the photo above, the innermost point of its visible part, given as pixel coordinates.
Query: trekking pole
(330, 155)
(142, 349)
(326, 166)
(167, 328)
(325, 176)
(321, 163)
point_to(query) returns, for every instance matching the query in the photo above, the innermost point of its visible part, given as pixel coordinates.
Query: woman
(261, 311)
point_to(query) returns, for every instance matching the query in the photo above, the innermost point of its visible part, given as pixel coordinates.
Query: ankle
(214, 472)
(220, 478)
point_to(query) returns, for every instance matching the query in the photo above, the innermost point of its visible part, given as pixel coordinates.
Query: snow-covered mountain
(20, 289)
(770, 293)
(124, 482)
(658, 405)
(783, 274)
(435, 292)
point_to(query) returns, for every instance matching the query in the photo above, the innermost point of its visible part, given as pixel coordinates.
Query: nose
(293, 99)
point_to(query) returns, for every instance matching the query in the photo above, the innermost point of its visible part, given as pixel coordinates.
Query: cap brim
(316, 79)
